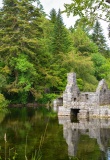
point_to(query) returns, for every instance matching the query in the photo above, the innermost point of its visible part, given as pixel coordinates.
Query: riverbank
(35, 105)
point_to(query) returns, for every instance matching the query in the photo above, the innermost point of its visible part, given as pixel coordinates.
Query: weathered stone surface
(89, 103)
(62, 111)
(83, 114)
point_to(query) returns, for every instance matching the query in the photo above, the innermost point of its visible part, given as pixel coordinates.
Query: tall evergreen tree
(60, 41)
(53, 15)
(59, 44)
(98, 37)
(20, 49)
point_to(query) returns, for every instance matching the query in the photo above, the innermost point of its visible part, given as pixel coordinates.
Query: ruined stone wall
(85, 101)
(104, 98)
(73, 95)
(100, 112)
(88, 97)
(103, 92)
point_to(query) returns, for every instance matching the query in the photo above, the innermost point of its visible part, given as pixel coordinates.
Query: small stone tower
(71, 92)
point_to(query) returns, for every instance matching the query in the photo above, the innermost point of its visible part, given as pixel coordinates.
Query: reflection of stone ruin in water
(85, 104)
(98, 129)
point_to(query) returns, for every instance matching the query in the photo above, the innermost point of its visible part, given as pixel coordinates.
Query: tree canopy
(36, 53)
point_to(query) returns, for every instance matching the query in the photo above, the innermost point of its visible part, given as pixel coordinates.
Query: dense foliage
(36, 53)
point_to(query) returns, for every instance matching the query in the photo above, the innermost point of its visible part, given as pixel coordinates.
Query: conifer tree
(53, 15)
(60, 44)
(20, 50)
(60, 41)
(98, 37)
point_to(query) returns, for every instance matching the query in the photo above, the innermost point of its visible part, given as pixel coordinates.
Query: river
(33, 134)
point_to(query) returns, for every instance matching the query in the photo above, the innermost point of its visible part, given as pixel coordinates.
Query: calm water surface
(30, 132)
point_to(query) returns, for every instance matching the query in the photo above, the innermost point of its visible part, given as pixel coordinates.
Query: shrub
(3, 102)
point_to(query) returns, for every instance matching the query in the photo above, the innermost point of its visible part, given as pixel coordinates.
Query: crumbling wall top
(71, 78)
(101, 86)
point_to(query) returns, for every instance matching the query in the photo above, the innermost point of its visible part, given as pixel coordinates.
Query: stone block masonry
(89, 104)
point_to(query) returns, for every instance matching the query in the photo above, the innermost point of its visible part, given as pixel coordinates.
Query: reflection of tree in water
(87, 139)
(31, 123)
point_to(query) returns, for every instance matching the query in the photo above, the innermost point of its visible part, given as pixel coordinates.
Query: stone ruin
(83, 104)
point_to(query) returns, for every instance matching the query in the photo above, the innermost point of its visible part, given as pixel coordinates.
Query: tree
(27, 62)
(60, 40)
(84, 68)
(20, 49)
(89, 11)
(53, 15)
(60, 43)
(98, 37)
(102, 66)
(82, 43)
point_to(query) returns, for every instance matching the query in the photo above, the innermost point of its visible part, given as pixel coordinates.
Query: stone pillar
(71, 78)
(71, 92)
